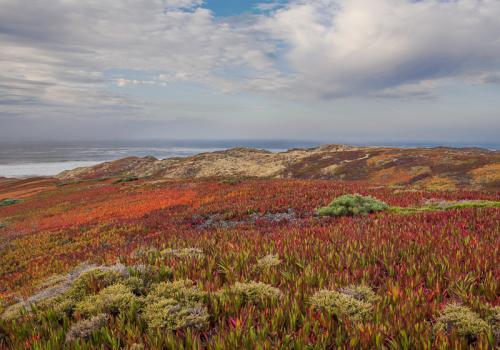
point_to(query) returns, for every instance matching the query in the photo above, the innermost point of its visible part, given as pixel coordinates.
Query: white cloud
(67, 57)
(360, 47)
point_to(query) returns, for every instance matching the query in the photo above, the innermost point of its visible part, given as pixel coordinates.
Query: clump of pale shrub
(83, 329)
(175, 305)
(113, 300)
(171, 314)
(183, 290)
(462, 320)
(352, 302)
(268, 261)
(360, 292)
(341, 304)
(254, 292)
(184, 253)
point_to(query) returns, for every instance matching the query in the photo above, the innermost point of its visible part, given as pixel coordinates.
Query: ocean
(47, 159)
(50, 158)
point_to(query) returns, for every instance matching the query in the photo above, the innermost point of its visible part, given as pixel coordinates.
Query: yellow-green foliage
(181, 290)
(462, 320)
(361, 292)
(146, 252)
(342, 305)
(136, 285)
(15, 311)
(93, 281)
(254, 292)
(494, 321)
(268, 261)
(171, 314)
(84, 328)
(113, 300)
(175, 305)
(184, 252)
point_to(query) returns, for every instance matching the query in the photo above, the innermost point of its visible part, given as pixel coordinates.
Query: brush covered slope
(430, 168)
(243, 264)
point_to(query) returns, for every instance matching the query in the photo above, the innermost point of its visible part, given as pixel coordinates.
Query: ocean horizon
(30, 159)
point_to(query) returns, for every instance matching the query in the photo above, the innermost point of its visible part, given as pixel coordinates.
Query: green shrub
(92, 281)
(493, 319)
(136, 285)
(83, 329)
(342, 305)
(9, 201)
(112, 300)
(170, 314)
(181, 290)
(361, 292)
(462, 320)
(254, 292)
(175, 305)
(126, 179)
(349, 205)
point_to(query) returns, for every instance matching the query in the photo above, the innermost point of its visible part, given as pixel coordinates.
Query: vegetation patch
(438, 205)
(268, 261)
(126, 179)
(461, 320)
(9, 201)
(175, 305)
(254, 292)
(83, 329)
(114, 300)
(351, 205)
(181, 290)
(184, 253)
(170, 314)
(353, 302)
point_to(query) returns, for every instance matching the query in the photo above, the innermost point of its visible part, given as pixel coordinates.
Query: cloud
(361, 47)
(93, 60)
(62, 53)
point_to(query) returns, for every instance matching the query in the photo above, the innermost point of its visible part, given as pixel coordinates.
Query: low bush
(9, 201)
(184, 253)
(83, 329)
(181, 290)
(254, 292)
(170, 314)
(113, 300)
(461, 320)
(126, 179)
(360, 292)
(341, 305)
(350, 205)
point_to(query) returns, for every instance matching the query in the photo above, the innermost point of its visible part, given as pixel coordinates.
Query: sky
(356, 71)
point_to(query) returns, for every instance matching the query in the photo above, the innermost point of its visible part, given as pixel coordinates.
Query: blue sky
(325, 70)
(231, 7)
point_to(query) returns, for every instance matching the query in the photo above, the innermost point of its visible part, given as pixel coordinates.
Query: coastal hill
(439, 168)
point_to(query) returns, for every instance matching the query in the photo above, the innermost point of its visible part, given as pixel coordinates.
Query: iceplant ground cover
(421, 279)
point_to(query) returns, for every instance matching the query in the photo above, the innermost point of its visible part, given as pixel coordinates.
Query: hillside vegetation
(243, 263)
(421, 168)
